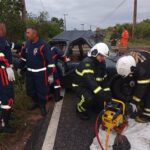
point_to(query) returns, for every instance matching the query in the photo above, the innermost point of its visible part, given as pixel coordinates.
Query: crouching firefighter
(90, 81)
(57, 54)
(136, 64)
(37, 58)
(6, 101)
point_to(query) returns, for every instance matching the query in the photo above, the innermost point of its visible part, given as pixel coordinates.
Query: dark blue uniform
(37, 58)
(6, 90)
(56, 55)
(5, 48)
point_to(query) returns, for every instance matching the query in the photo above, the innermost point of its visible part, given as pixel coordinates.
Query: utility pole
(24, 10)
(90, 27)
(82, 25)
(65, 22)
(134, 18)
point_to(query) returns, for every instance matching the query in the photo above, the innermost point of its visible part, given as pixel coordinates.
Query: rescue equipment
(112, 118)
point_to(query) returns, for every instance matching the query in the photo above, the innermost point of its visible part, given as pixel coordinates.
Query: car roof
(71, 36)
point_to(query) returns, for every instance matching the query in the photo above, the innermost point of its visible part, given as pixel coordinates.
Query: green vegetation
(142, 33)
(11, 15)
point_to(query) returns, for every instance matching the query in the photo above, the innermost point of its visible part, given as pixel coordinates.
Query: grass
(132, 43)
(20, 106)
(139, 42)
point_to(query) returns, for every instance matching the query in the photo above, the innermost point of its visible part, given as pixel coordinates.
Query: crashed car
(76, 44)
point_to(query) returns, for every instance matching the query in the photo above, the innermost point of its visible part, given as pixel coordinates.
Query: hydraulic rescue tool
(112, 118)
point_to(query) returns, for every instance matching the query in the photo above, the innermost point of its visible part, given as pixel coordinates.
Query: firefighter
(6, 100)
(124, 38)
(37, 58)
(6, 80)
(57, 54)
(5, 48)
(90, 81)
(136, 65)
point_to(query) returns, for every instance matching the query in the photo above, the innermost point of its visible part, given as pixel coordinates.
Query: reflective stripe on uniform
(3, 67)
(36, 70)
(79, 105)
(143, 81)
(105, 76)
(51, 66)
(136, 99)
(146, 114)
(85, 71)
(99, 79)
(147, 109)
(57, 87)
(106, 89)
(23, 59)
(99, 88)
(74, 85)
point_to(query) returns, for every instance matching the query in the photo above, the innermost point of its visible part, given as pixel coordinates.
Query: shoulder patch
(87, 65)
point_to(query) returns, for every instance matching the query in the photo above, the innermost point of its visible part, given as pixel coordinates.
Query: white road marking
(53, 125)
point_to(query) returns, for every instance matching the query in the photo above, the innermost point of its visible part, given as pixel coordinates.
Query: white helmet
(124, 65)
(100, 48)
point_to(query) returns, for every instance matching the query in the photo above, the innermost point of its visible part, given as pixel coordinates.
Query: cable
(43, 7)
(96, 130)
(114, 10)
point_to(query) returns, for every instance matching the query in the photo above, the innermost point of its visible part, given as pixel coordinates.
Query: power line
(113, 11)
(43, 7)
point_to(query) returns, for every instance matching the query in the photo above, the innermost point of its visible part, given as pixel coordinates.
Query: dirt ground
(24, 122)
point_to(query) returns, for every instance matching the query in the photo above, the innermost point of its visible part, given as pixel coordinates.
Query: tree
(10, 11)
(60, 22)
(47, 29)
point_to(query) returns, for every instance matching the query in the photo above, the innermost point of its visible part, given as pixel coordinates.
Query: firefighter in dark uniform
(5, 48)
(90, 81)
(114, 37)
(6, 80)
(58, 54)
(37, 58)
(136, 64)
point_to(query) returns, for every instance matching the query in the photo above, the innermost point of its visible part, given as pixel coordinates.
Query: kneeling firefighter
(90, 81)
(136, 65)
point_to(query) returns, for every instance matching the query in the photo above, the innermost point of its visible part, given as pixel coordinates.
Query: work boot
(57, 95)
(142, 119)
(6, 128)
(34, 104)
(59, 99)
(43, 111)
(82, 115)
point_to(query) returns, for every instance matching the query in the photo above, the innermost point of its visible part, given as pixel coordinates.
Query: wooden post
(134, 18)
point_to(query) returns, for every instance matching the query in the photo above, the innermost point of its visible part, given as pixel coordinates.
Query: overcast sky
(102, 13)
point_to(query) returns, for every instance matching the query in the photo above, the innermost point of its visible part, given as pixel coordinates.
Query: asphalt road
(72, 133)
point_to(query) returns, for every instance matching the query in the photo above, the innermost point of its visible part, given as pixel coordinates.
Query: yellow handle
(123, 104)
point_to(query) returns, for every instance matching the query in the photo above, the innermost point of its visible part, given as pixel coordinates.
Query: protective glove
(10, 73)
(19, 73)
(50, 79)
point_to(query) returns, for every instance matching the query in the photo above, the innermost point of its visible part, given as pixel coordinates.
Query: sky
(94, 13)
